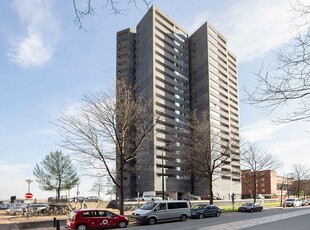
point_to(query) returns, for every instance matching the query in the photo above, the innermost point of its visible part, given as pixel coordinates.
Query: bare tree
(98, 186)
(284, 186)
(301, 173)
(113, 6)
(101, 135)
(258, 161)
(205, 152)
(285, 83)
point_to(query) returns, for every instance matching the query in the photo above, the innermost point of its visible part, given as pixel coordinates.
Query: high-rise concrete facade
(214, 95)
(177, 73)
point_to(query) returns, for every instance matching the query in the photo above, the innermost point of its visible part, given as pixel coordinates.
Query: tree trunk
(211, 190)
(298, 188)
(254, 189)
(58, 194)
(121, 200)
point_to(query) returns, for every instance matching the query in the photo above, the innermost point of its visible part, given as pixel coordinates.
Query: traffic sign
(28, 195)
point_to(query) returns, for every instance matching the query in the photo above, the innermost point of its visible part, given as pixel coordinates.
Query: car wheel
(82, 227)
(122, 224)
(19, 214)
(252, 210)
(183, 218)
(217, 214)
(260, 210)
(152, 221)
(200, 216)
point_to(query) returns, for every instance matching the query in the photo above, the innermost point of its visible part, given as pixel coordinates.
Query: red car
(84, 219)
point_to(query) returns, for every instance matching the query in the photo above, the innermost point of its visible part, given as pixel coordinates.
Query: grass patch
(229, 208)
(272, 204)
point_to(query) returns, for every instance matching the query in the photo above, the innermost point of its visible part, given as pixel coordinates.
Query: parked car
(157, 211)
(92, 199)
(190, 197)
(202, 210)
(77, 199)
(16, 209)
(217, 198)
(35, 208)
(305, 202)
(38, 208)
(260, 196)
(250, 207)
(83, 219)
(292, 202)
(130, 198)
(150, 198)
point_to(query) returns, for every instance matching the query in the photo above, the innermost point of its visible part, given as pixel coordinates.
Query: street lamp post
(162, 173)
(29, 181)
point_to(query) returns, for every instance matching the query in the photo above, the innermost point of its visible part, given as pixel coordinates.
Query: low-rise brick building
(268, 183)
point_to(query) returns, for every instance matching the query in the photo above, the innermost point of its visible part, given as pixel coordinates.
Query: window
(161, 207)
(102, 213)
(90, 214)
(177, 205)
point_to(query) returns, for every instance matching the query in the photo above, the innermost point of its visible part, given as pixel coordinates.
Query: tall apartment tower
(214, 96)
(157, 59)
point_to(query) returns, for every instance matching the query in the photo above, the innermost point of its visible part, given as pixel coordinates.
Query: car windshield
(148, 206)
(199, 207)
(247, 204)
(290, 199)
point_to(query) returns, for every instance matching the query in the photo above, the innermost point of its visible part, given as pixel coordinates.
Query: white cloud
(288, 141)
(36, 46)
(13, 169)
(260, 131)
(73, 108)
(251, 27)
(288, 146)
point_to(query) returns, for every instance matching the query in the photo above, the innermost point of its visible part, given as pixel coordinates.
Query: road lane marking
(252, 222)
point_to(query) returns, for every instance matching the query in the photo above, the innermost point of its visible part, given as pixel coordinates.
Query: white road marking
(252, 222)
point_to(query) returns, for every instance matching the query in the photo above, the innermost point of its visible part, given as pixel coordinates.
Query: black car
(202, 210)
(250, 207)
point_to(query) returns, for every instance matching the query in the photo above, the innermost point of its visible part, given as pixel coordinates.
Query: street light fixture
(29, 181)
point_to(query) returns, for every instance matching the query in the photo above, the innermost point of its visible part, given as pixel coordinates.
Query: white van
(150, 198)
(158, 211)
(293, 202)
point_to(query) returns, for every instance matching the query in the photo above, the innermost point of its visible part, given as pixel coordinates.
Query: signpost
(28, 195)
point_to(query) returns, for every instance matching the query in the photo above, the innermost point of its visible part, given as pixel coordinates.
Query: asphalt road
(288, 218)
(274, 219)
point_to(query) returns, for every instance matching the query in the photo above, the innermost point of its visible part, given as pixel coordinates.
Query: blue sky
(47, 65)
